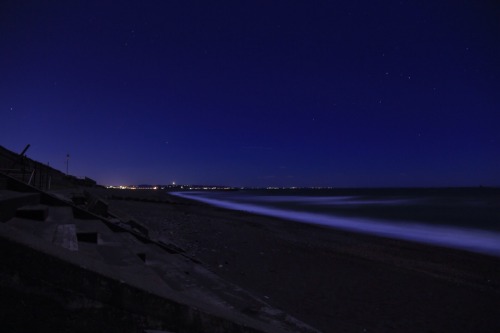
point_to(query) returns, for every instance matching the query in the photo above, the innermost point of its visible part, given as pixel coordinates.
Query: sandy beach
(333, 280)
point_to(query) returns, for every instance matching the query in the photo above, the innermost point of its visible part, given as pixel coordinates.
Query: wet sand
(333, 280)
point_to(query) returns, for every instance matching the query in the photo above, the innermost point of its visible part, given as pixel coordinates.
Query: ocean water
(467, 218)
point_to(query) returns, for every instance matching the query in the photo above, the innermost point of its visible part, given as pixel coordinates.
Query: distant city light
(210, 188)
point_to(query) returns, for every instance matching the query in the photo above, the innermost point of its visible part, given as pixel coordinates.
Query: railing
(34, 177)
(27, 170)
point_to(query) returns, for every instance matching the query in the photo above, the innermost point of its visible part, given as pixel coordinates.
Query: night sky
(255, 93)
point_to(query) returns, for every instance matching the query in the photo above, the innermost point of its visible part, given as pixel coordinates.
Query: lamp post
(67, 164)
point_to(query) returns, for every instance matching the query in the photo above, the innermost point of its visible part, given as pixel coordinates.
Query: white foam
(327, 200)
(473, 240)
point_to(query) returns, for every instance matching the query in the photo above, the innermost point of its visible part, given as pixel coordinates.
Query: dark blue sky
(255, 93)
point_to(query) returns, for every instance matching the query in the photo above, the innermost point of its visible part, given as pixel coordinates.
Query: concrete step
(99, 243)
(10, 201)
(63, 235)
(58, 228)
(61, 214)
(94, 232)
(96, 240)
(33, 212)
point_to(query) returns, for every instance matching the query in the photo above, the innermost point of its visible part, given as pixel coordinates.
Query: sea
(462, 218)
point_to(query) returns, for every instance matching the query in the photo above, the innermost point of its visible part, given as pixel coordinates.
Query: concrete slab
(65, 236)
(96, 240)
(95, 231)
(60, 214)
(119, 256)
(47, 229)
(43, 230)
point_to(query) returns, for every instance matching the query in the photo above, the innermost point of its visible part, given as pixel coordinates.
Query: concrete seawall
(66, 268)
(33, 269)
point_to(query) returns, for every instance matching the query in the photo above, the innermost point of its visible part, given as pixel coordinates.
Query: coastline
(331, 279)
(484, 241)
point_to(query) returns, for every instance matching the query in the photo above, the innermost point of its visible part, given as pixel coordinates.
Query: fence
(26, 170)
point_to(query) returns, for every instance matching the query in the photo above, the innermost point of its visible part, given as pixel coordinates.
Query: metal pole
(31, 177)
(40, 175)
(67, 164)
(47, 176)
(20, 158)
(25, 149)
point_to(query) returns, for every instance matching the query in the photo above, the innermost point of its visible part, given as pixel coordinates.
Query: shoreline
(472, 240)
(331, 279)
